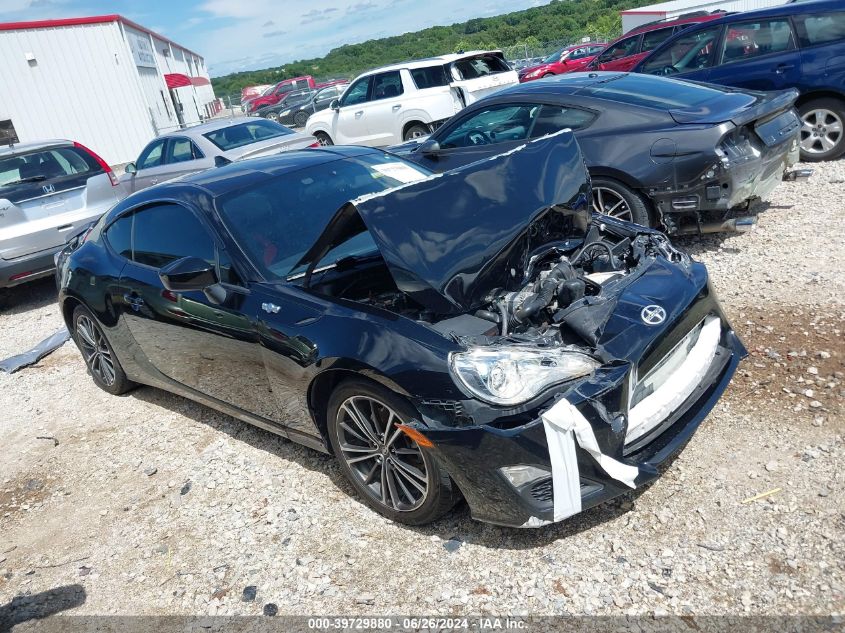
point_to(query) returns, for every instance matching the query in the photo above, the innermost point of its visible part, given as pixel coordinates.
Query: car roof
(220, 180)
(783, 9)
(217, 124)
(19, 148)
(579, 85)
(428, 61)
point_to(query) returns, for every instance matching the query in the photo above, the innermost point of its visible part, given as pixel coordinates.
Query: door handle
(359, 114)
(134, 301)
(397, 106)
(782, 68)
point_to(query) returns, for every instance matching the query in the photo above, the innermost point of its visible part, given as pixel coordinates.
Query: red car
(566, 60)
(626, 52)
(280, 90)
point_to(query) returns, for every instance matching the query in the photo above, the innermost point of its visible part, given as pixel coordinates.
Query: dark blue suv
(800, 45)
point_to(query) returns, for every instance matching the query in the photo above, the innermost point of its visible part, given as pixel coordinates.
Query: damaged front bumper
(576, 452)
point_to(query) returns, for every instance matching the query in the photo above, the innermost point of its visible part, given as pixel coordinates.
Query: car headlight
(284, 112)
(510, 375)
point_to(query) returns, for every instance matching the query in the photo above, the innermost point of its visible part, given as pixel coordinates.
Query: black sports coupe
(475, 333)
(661, 152)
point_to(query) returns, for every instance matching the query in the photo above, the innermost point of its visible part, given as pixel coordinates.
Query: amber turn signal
(415, 435)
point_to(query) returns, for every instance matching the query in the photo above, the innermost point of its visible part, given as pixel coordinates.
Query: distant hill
(558, 21)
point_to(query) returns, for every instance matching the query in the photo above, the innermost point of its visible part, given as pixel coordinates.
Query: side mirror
(221, 161)
(335, 104)
(188, 274)
(131, 169)
(429, 147)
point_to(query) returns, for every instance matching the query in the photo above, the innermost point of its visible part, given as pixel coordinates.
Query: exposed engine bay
(562, 297)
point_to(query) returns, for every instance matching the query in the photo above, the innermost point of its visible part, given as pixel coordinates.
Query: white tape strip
(564, 424)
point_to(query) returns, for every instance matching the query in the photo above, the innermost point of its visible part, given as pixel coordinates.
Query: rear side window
(167, 232)
(552, 119)
(820, 29)
(753, 39)
(182, 149)
(242, 134)
(119, 236)
(475, 67)
(430, 77)
(653, 39)
(387, 85)
(26, 175)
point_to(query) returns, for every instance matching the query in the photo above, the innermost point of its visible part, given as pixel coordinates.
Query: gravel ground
(157, 505)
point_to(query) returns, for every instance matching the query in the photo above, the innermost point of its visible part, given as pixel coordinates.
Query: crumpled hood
(451, 239)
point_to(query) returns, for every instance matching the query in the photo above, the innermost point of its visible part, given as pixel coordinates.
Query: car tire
(271, 116)
(612, 198)
(323, 138)
(547, 75)
(415, 131)
(823, 123)
(423, 490)
(98, 354)
(300, 119)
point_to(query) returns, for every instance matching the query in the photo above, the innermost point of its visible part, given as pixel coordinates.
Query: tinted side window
(152, 155)
(181, 149)
(689, 52)
(752, 39)
(552, 119)
(820, 29)
(430, 77)
(496, 124)
(652, 39)
(119, 236)
(387, 85)
(357, 92)
(167, 232)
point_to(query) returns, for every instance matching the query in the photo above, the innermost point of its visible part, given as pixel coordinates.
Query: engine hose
(504, 312)
(541, 299)
(488, 316)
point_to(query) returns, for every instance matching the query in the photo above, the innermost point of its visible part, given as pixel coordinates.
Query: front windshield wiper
(341, 263)
(25, 180)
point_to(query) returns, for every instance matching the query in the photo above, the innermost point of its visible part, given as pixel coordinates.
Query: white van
(404, 101)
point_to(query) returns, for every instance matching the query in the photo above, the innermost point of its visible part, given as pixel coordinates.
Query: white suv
(404, 101)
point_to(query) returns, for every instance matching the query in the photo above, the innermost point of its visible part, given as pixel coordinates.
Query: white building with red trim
(103, 81)
(633, 18)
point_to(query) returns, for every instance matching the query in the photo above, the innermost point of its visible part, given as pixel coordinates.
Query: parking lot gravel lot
(157, 505)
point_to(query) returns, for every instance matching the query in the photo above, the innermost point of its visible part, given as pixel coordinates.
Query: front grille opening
(542, 490)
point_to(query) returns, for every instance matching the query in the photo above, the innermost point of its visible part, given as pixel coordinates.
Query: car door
(150, 167)
(483, 132)
(212, 349)
(758, 55)
(383, 112)
(349, 126)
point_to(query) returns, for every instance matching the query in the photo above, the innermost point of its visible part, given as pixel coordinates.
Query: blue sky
(248, 34)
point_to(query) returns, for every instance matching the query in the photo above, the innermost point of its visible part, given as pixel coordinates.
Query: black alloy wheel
(99, 356)
(392, 473)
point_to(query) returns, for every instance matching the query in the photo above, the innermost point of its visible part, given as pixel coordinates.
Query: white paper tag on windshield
(402, 172)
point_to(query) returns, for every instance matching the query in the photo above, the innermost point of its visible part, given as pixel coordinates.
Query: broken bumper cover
(575, 454)
(724, 186)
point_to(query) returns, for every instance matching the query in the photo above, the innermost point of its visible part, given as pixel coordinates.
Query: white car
(400, 102)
